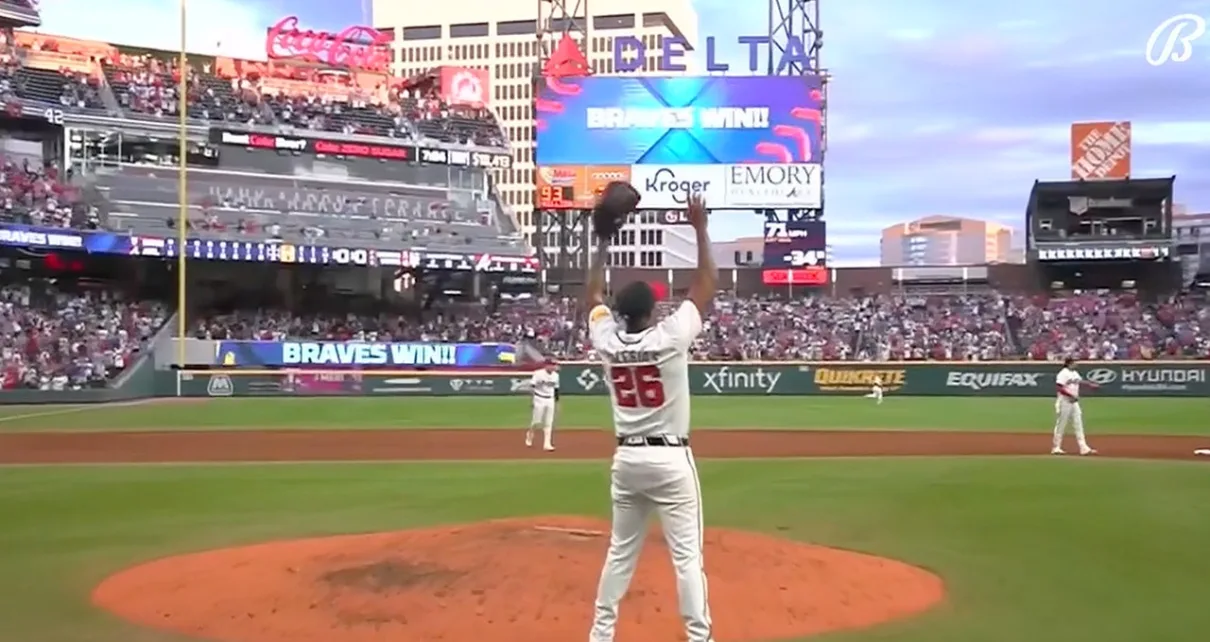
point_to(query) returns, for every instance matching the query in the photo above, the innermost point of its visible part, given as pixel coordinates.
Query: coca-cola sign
(356, 47)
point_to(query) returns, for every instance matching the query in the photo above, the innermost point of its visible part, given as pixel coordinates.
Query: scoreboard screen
(795, 244)
(795, 253)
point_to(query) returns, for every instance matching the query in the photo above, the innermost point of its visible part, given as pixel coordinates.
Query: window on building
(428, 32)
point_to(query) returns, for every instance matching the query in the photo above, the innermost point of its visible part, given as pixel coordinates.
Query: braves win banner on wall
(681, 120)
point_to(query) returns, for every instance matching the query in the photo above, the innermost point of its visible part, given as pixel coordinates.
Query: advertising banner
(669, 186)
(684, 120)
(258, 251)
(811, 275)
(463, 86)
(994, 379)
(379, 151)
(463, 158)
(574, 187)
(277, 142)
(357, 47)
(328, 354)
(764, 185)
(1100, 150)
(797, 185)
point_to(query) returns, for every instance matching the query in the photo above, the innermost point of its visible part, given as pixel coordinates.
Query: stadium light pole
(182, 202)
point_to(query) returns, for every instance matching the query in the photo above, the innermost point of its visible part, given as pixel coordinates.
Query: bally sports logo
(1100, 150)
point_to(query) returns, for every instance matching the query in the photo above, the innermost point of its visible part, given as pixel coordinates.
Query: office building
(500, 37)
(945, 240)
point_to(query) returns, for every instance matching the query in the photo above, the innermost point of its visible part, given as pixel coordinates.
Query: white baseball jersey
(1069, 379)
(544, 384)
(877, 382)
(647, 373)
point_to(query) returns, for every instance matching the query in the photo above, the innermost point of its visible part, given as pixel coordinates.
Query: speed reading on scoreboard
(793, 244)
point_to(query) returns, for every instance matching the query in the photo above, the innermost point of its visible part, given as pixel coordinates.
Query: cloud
(225, 27)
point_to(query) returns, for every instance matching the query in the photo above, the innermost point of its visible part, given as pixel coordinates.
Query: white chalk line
(72, 409)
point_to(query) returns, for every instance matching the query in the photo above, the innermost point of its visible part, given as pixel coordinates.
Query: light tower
(795, 41)
(562, 35)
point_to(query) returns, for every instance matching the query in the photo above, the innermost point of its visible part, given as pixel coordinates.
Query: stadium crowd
(52, 339)
(888, 328)
(55, 339)
(32, 193)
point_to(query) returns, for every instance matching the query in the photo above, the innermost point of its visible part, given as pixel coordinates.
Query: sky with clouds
(936, 106)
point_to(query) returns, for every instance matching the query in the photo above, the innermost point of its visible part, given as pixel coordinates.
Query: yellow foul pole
(182, 199)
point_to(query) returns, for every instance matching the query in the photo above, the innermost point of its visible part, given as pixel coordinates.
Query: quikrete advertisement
(843, 379)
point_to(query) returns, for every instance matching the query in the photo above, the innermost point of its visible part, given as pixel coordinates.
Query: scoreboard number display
(795, 244)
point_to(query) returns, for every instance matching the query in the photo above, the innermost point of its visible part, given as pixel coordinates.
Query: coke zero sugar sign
(355, 47)
(1100, 150)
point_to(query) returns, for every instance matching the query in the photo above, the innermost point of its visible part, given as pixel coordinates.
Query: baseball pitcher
(545, 386)
(646, 363)
(1067, 408)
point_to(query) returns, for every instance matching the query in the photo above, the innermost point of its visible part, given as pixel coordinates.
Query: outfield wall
(1000, 379)
(1010, 378)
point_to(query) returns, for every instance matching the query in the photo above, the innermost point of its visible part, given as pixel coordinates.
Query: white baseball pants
(1068, 411)
(544, 418)
(662, 480)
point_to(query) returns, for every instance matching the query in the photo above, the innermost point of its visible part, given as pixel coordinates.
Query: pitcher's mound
(516, 580)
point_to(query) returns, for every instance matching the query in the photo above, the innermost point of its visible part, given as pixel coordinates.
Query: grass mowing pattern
(1101, 416)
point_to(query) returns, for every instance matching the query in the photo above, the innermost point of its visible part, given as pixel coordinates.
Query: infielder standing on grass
(545, 386)
(1067, 408)
(646, 365)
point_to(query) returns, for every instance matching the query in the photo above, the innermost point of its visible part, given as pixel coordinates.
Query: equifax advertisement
(364, 355)
(688, 120)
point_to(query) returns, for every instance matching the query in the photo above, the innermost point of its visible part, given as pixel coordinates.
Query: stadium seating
(56, 339)
(381, 211)
(242, 206)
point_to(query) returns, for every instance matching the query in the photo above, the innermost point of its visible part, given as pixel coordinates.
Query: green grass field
(1175, 416)
(1038, 549)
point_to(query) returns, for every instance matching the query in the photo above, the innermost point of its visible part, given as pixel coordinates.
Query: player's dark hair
(635, 303)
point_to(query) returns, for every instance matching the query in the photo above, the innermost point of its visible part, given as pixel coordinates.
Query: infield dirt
(182, 445)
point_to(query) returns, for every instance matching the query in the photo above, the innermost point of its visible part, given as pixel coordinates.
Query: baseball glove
(617, 201)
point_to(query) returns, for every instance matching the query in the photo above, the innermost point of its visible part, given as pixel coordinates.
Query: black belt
(654, 440)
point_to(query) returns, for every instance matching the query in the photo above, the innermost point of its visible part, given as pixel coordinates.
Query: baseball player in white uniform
(876, 390)
(1067, 408)
(646, 366)
(545, 386)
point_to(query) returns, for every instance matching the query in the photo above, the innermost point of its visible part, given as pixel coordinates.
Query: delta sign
(629, 52)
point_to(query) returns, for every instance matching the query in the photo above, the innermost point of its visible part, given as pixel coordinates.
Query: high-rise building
(501, 37)
(946, 240)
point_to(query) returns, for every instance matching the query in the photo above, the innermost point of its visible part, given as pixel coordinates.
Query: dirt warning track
(415, 445)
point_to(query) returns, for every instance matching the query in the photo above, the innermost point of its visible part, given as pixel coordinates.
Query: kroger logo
(671, 186)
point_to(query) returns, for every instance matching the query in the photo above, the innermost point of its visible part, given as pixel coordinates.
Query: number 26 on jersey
(637, 386)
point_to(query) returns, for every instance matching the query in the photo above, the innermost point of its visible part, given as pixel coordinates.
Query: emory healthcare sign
(685, 120)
